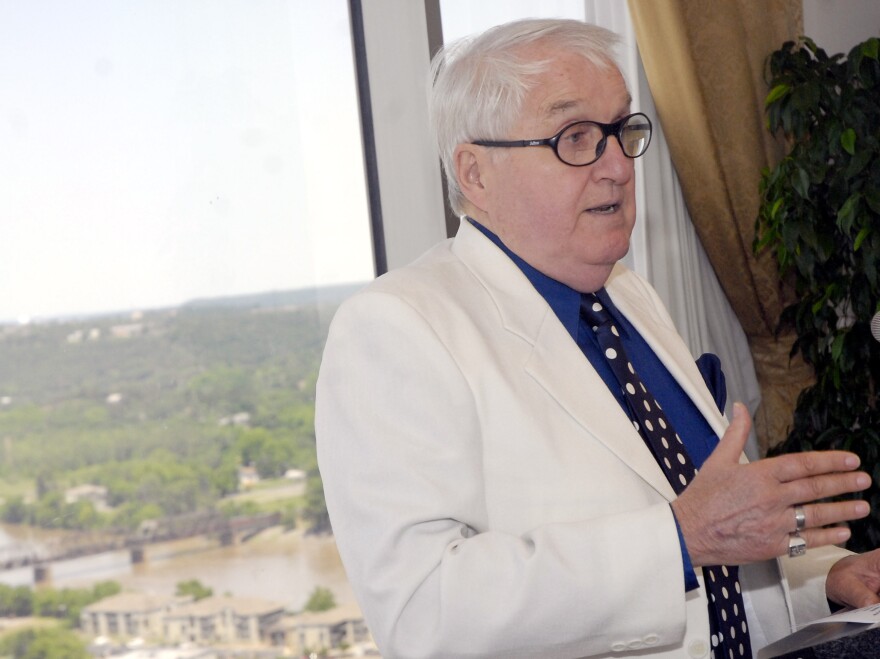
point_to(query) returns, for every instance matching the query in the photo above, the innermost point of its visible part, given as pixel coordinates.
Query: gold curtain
(705, 66)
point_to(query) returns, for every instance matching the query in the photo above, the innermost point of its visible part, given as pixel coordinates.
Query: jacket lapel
(555, 361)
(559, 366)
(656, 327)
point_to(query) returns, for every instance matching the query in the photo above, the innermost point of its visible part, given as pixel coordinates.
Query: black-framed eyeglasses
(583, 143)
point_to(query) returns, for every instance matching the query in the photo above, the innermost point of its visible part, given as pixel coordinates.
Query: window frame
(392, 44)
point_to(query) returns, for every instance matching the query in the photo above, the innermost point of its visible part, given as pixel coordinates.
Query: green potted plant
(820, 216)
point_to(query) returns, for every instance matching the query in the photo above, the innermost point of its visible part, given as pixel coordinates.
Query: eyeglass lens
(582, 143)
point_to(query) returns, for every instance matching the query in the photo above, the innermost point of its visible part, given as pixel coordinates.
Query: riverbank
(277, 565)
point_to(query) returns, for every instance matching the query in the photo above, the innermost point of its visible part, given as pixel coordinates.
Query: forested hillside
(161, 407)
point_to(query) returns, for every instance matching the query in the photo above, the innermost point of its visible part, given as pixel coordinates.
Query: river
(275, 565)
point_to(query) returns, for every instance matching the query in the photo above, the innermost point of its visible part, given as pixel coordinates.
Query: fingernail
(863, 481)
(852, 461)
(862, 508)
(842, 535)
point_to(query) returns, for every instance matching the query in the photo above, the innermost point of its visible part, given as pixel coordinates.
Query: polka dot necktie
(727, 618)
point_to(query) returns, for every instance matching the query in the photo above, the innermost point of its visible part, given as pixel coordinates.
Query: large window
(183, 205)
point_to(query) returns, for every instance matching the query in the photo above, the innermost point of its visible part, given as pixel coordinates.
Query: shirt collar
(564, 300)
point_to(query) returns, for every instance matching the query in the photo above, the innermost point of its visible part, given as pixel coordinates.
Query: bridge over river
(212, 524)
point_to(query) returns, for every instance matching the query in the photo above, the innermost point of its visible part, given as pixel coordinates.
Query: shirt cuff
(690, 576)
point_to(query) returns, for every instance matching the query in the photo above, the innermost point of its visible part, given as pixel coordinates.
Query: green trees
(44, 643)
(163, 418)
(315, 510)
(52, 512)
(65, 604)
(15, 511)
(194, 588)
(321, 599)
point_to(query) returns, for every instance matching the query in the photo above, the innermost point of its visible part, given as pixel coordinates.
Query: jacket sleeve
(399, 448)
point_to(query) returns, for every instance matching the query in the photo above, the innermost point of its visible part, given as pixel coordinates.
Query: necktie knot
(594, 311)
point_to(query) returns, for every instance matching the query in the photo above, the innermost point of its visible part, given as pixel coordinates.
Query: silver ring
(800, 519)
(797, 546)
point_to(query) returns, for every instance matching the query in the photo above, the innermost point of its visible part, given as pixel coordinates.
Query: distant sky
(154, 151)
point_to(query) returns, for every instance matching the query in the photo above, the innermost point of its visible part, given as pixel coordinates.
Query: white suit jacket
(489, 496)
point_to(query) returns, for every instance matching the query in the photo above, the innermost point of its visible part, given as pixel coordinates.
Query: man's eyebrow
(563, 106)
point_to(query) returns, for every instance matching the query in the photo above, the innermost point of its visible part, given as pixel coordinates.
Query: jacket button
(698, 648)
(618, 646)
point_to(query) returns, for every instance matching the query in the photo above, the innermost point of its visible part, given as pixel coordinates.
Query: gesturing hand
(734, 513)
(855, 580)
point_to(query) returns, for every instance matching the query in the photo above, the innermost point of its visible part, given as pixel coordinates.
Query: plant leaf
(776, 93)
(848, 141)
(801, 183)
(860, 238)
(774, 209)
(847, 214)
(872, 196)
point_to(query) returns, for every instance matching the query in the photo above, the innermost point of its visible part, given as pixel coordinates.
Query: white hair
(477, 84)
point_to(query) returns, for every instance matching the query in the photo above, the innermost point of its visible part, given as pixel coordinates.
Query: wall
(838, 25)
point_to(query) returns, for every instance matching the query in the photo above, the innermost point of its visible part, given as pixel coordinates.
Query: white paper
(867, 615)
(835, 626)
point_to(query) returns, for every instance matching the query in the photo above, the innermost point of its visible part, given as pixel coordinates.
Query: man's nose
(613, 163)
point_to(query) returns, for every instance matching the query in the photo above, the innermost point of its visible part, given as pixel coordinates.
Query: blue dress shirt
(698, 437)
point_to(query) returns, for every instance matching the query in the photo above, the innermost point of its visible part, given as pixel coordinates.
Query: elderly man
(509, 429)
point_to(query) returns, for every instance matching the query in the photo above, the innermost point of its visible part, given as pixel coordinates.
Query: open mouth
(604, 209)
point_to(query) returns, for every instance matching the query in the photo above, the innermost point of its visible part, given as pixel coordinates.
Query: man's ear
(470, 170)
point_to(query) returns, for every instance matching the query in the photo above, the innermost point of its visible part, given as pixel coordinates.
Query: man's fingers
(796, 466)
(865, 597)
(835, 535)
(855, 580)
(820, 518)
(824, 514)
(813, 488)
(734, 440)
